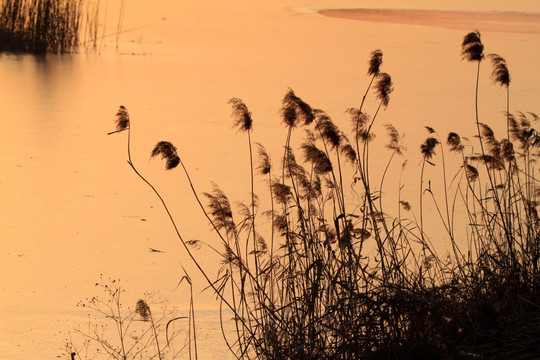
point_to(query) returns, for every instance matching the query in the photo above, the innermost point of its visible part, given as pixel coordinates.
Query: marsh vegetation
(40, 26)
(336, 276)
(52, 26)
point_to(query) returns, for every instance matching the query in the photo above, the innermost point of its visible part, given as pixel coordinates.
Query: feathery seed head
(383, 88)
(500, 74)
(329, 131)
(264, 166)
(455, 142)
(375, 62)
(406, 205)
(515, 128)
(280, 223)
(359, 121)
(524, 120)
(230, 257)
(220, 209)
(428, 147)
(288, 113)
(472, 48)
(262, 246)
(317, 157)
(282, 192)
(167, 152)
(348, 151)
(241, 115)
(471, 172)
(493, 146)
(507, 150)
(488, 135)
(143, 310)
(534, 116)
(295, 109)
(430, 130)
(122, 118)
(395, 139)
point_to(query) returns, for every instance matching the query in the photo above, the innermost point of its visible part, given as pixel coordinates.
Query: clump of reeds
(340, 277)
(40, 26)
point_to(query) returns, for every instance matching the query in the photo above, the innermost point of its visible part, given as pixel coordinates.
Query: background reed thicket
(51, 26)
(336, 276)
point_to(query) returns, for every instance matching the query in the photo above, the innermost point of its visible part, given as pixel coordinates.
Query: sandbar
(499, 21)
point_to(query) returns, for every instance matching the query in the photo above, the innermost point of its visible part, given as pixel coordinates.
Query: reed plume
(143, 310)
(488, 134)
(428, 147)
(321, 163)
(472, 48)
(500, 74)
(395, 139)
(220, 209)
(375, 62)
(295, 110)
(348, 151)
(359, 122)
(471, 172)
(383, 88)
(493, 146)
(522, 131)
(264, 166)
(241, 115)
(454, 140)
(282, 192)
(328, 130)
(515, 129)
(406, 205)
(122, 119)
(168, 152)
(507, 150)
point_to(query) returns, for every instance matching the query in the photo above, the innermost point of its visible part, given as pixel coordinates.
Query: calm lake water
(72, 209)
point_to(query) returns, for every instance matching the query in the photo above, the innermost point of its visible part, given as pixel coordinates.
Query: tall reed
(344, 279)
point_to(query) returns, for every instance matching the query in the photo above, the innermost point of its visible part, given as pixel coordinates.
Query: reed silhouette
(40, 26)
(341, 277)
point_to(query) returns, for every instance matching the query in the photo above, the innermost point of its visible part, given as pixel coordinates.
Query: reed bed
(336, 276)
(44, 26)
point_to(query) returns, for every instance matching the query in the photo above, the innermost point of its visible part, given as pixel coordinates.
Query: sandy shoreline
(461, 20)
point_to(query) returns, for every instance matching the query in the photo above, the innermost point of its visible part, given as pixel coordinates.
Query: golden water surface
(72, 209)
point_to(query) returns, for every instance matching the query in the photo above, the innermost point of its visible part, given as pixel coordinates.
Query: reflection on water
(71, 207)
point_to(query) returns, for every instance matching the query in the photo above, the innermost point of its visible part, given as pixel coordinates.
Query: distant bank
(518, 22)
